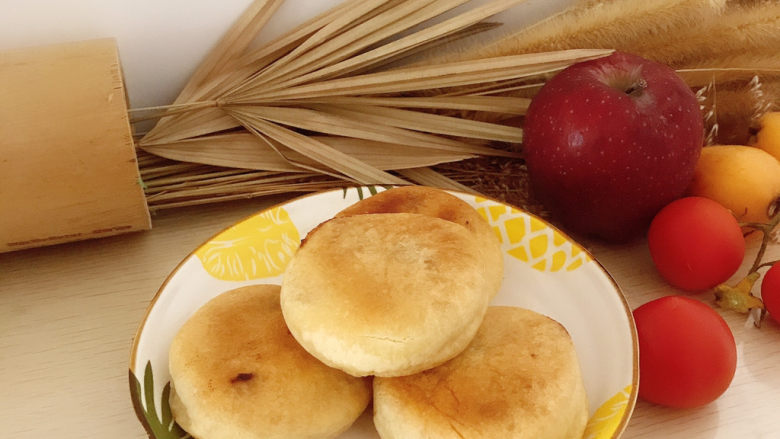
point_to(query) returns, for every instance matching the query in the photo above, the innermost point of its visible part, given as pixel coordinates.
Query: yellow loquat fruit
(744, 179)
(768, 137)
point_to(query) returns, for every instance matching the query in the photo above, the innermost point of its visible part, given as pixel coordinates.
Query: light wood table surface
(68, 315)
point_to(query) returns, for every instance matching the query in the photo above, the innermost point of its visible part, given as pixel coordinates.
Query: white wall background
(161, 41)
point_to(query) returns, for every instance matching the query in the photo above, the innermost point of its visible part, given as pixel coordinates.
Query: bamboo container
(68, 169)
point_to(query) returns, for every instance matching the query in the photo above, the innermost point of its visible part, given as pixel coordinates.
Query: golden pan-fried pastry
(386, 294)
(518, 379)
(237, 373)
(437, 203)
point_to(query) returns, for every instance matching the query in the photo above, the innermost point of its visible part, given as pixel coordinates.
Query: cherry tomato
(770, 291)
(687, 354)
(695, 243)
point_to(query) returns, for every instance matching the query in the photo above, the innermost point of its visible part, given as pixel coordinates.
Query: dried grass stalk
(190, 125)
(422, 78)
(391, 156)
(394, 49)
(426, 47)
(335, 39)
(432, 123)
(740, 31)
(249, 63)
(330, 121)
(226, 53)
(732, 68)
(215, 177)
(290, 185)
(171, 184)
(613, 24)
(701, 37)
(237, 150)
(429, 177)
(247, 151)
(318, 151)
(491, 104)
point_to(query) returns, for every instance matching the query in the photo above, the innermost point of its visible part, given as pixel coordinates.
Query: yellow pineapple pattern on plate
(530, 239)
(606, 420)
(258, 247)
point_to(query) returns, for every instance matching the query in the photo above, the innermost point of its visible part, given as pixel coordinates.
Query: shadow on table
(758, 351)
(652, 421)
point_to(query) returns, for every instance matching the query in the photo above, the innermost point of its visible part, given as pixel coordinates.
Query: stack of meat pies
(395, 287)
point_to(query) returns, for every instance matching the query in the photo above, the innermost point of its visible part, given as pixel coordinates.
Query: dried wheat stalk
(741, 33)
(706, 36)
(172, 184)
(727, 68)
(615, 24)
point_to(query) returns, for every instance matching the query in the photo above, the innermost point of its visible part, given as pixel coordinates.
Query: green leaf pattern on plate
(156, 428)
(371, 191)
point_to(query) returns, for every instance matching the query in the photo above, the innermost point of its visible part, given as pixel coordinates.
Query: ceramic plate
(544, 271)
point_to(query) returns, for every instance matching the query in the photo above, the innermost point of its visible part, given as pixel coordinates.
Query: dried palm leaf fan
(320, 108)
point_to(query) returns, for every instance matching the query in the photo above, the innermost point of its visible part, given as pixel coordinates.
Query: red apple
(609, 142)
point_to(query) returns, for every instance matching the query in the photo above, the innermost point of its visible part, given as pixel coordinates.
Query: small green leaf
(151, 411)
(165, 406)
(148, 380)
(174, 430)
(372, 189)
(140, 410)
(135, 395)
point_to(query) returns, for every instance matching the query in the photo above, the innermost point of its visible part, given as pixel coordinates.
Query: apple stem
(636, 88)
